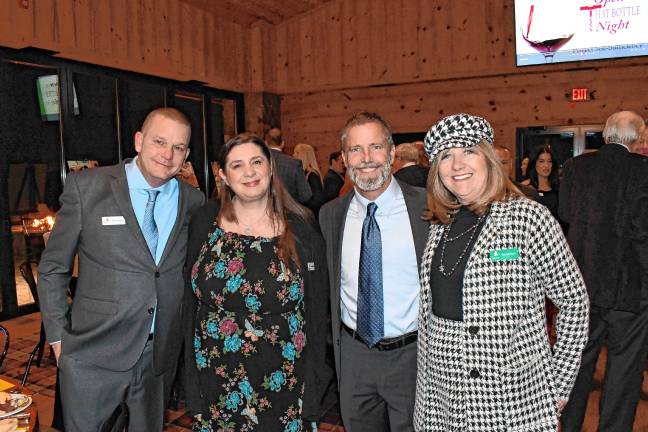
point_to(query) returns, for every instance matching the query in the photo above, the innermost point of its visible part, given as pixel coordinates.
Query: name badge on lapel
(504, 254)
(113, 220)
(310, 266)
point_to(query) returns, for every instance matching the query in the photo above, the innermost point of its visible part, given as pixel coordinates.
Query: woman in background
(543, 176)
(256, 302)
(306, 154)
(524, 168)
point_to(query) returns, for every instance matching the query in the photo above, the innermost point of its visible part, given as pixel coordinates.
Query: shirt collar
(386, 199)
(622, 145)
(137, 181)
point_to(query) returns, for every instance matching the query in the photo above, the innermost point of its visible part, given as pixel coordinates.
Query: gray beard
(370, 184)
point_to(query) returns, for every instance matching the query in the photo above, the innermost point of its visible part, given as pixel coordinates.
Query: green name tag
(504, 254)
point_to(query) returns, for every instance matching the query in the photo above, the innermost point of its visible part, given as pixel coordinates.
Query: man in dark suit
(604, 198)
(406, 167)
(375, 238)
(334, 178)
(291, 171)
(119, 340)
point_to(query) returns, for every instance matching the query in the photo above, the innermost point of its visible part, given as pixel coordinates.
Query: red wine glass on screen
(541, 34)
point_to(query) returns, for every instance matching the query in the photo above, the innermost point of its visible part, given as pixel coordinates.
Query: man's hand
(56, 347)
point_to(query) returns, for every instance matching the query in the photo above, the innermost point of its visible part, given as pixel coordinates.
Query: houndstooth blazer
(519, 379)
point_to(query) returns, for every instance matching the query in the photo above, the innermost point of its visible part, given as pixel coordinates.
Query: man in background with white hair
(604, 198)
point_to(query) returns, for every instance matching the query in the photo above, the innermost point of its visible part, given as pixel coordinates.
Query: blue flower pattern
(289, 352)
(232, 343)
(252, 302)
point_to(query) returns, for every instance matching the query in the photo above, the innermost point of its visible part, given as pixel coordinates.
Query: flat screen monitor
(552, 31)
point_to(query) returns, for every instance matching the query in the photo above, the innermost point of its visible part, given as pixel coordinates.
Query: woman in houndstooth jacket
(484, 358)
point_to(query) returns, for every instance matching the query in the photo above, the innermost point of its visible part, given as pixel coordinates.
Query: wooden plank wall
(165, 38)
(414, 61)
(507, 101)
(355, 43)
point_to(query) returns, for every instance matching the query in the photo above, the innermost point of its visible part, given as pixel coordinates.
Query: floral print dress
(248, 335)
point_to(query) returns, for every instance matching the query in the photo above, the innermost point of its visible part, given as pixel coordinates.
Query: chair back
(27, 272)
(5, 334)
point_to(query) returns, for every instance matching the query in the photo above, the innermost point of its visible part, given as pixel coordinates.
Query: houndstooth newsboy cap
(457, 130)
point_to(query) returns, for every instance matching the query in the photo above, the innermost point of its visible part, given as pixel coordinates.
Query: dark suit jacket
(119, 283)
(291, 174)
(310, 248)
(414, 175)
(604, 198)
(317, 199)
(333, 182)
(332, 221)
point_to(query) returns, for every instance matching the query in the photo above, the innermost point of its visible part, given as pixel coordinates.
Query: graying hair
(623, 127)
(364, 118)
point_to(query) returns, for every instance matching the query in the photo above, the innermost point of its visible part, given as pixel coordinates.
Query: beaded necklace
(447, 239)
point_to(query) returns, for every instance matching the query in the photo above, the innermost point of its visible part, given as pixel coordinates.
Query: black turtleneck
(447, 291)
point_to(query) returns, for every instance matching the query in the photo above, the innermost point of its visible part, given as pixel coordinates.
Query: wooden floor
(30, 325)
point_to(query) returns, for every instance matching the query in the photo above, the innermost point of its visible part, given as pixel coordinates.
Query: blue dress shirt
(401, 285)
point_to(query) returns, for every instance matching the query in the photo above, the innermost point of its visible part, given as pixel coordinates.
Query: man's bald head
(504, 156)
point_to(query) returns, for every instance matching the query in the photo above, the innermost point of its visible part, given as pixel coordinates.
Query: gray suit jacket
(291, 174)
(119, 283)
(332, 220)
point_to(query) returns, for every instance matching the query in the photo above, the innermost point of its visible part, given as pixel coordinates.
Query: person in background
(641, 145)
(256, 302)
(374, 239)
(604, 198)
(423, 159)
(290, 170)
(306, 154)
(543, 176)
(524, 168)
(504, 156)
(484, 359)
(334, 178)
(118, 342)
(406, 167)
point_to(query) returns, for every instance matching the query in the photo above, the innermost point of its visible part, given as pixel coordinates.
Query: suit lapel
(119, 187)
(177, 226)
(418, 225)
(339, 219)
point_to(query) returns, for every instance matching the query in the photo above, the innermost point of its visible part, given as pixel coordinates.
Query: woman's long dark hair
(280, 203)
(532, 173)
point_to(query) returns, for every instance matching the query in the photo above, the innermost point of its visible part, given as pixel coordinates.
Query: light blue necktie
(149, 227)
(370, 323)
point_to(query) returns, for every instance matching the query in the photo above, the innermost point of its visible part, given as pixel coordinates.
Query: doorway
(565, 142)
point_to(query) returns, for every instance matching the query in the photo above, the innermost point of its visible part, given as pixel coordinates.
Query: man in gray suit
(119, 340)
(291, 171)
(375, 238)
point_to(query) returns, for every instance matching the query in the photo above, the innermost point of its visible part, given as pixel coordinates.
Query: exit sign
(580, 94)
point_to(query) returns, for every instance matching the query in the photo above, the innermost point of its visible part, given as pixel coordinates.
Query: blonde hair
(442, 204)
(306, 154)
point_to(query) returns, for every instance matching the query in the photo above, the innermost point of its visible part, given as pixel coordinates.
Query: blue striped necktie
(370, 322)
(149, 227)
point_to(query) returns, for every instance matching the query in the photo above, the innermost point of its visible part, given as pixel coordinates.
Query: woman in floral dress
(256, 324)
